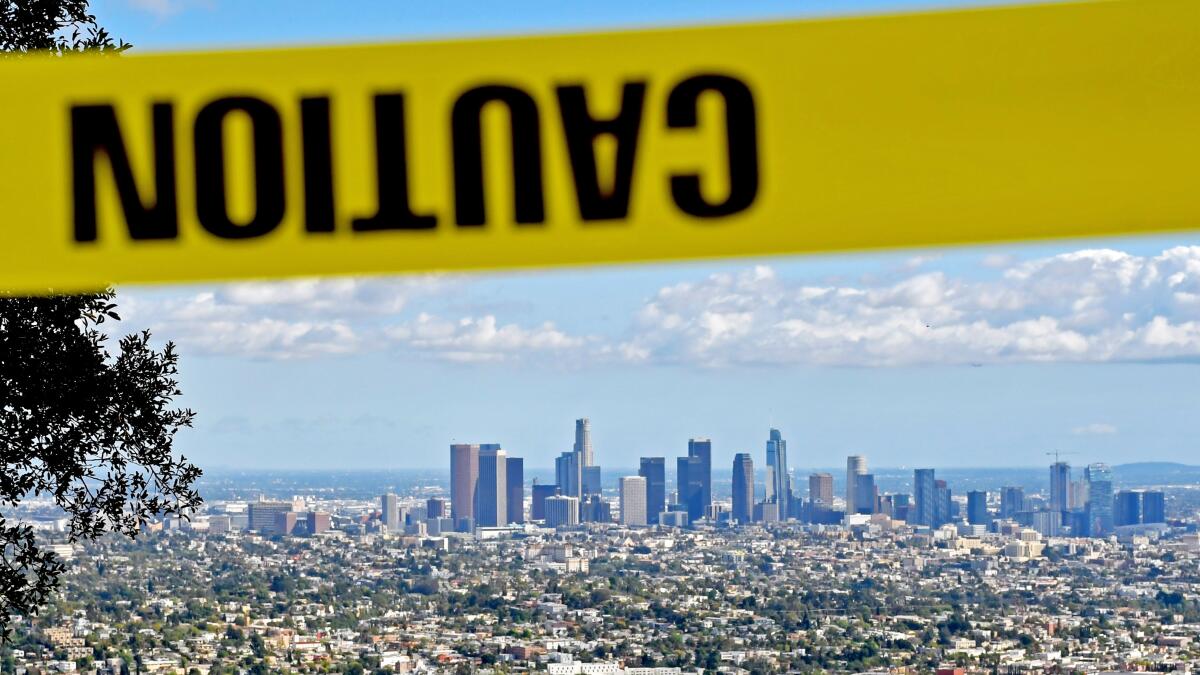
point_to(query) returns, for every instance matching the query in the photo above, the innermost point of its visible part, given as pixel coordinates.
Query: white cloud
(999, 260)
(1094, 430)
(277, 320)
(1090, 305)
(1083, 306)
(481, 339)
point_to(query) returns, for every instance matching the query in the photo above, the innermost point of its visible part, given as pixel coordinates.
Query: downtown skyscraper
(1060, 480)
(654, 470)
(743, 488)
(694, 478)
(515, 476)
(924, 510)
(491, 502)
(1100, 499)
(633, 500)
(464, 478)
(856, 465)
(779, 481)
(568, 474)
(583, 442)
(820, 490)
(390, 506)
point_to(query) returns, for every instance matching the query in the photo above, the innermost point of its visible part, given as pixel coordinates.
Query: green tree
(88, 427)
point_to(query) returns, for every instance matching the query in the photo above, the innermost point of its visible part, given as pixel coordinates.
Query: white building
(562, 511)
(633, 500)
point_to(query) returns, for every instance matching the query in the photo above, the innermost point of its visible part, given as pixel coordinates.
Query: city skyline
(480, 486)
(972, 356)
(386, 406)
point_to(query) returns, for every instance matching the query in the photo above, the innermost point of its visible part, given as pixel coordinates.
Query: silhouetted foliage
(59, 26)
(90, 429)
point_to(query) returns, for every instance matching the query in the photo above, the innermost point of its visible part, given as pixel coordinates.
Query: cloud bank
(1092, 305)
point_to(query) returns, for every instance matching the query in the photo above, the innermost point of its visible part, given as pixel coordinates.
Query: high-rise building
(595, 509)
(856, 465)
(924, 486)
(743, 488)
(436, 507)
(464, 478)
(568, 474)
(653, 469)
(1154, 507)
(779, 481)
(285, 523)
(895, 506)
(318, 522)
(562, 511)
(515, 479)
(491, 501)
(702, 448)
(865, 494)
(1078, 493)
(537, 507)
(1127, 508)
(1100, 499)
(583, 441)
(590, 475)
(1048, 523)
(633, 500)
(1012, 501)
(690, 482)
(820, 490)
(1060, 478)
(977, 511)
(390, 504)
(263, 515)
(943, 505)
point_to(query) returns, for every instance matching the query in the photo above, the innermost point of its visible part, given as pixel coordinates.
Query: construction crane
(1056, 454)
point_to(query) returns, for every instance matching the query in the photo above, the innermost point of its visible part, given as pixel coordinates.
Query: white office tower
(583, 441)
(562, 511)
(856, 465)
(390, 504)
(633, 500)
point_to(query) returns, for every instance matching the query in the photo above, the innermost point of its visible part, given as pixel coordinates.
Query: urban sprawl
(574, 576)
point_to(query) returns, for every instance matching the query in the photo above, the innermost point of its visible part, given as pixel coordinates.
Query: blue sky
(984, 356)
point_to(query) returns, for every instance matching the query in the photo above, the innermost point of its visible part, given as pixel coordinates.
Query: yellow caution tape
(1056, 120)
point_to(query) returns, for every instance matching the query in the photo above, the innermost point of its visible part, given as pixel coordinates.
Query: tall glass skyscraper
(864, 493)
(654, 470)
(924, 495)
(1127, 508)
(568, 474)
(491, 501)
(779, 482)
(1154, 507)
(743, 488)
(1060, 480)
(977, 511)
(515, 477)
(1100, 499)
(689, 472)
(701, 448)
